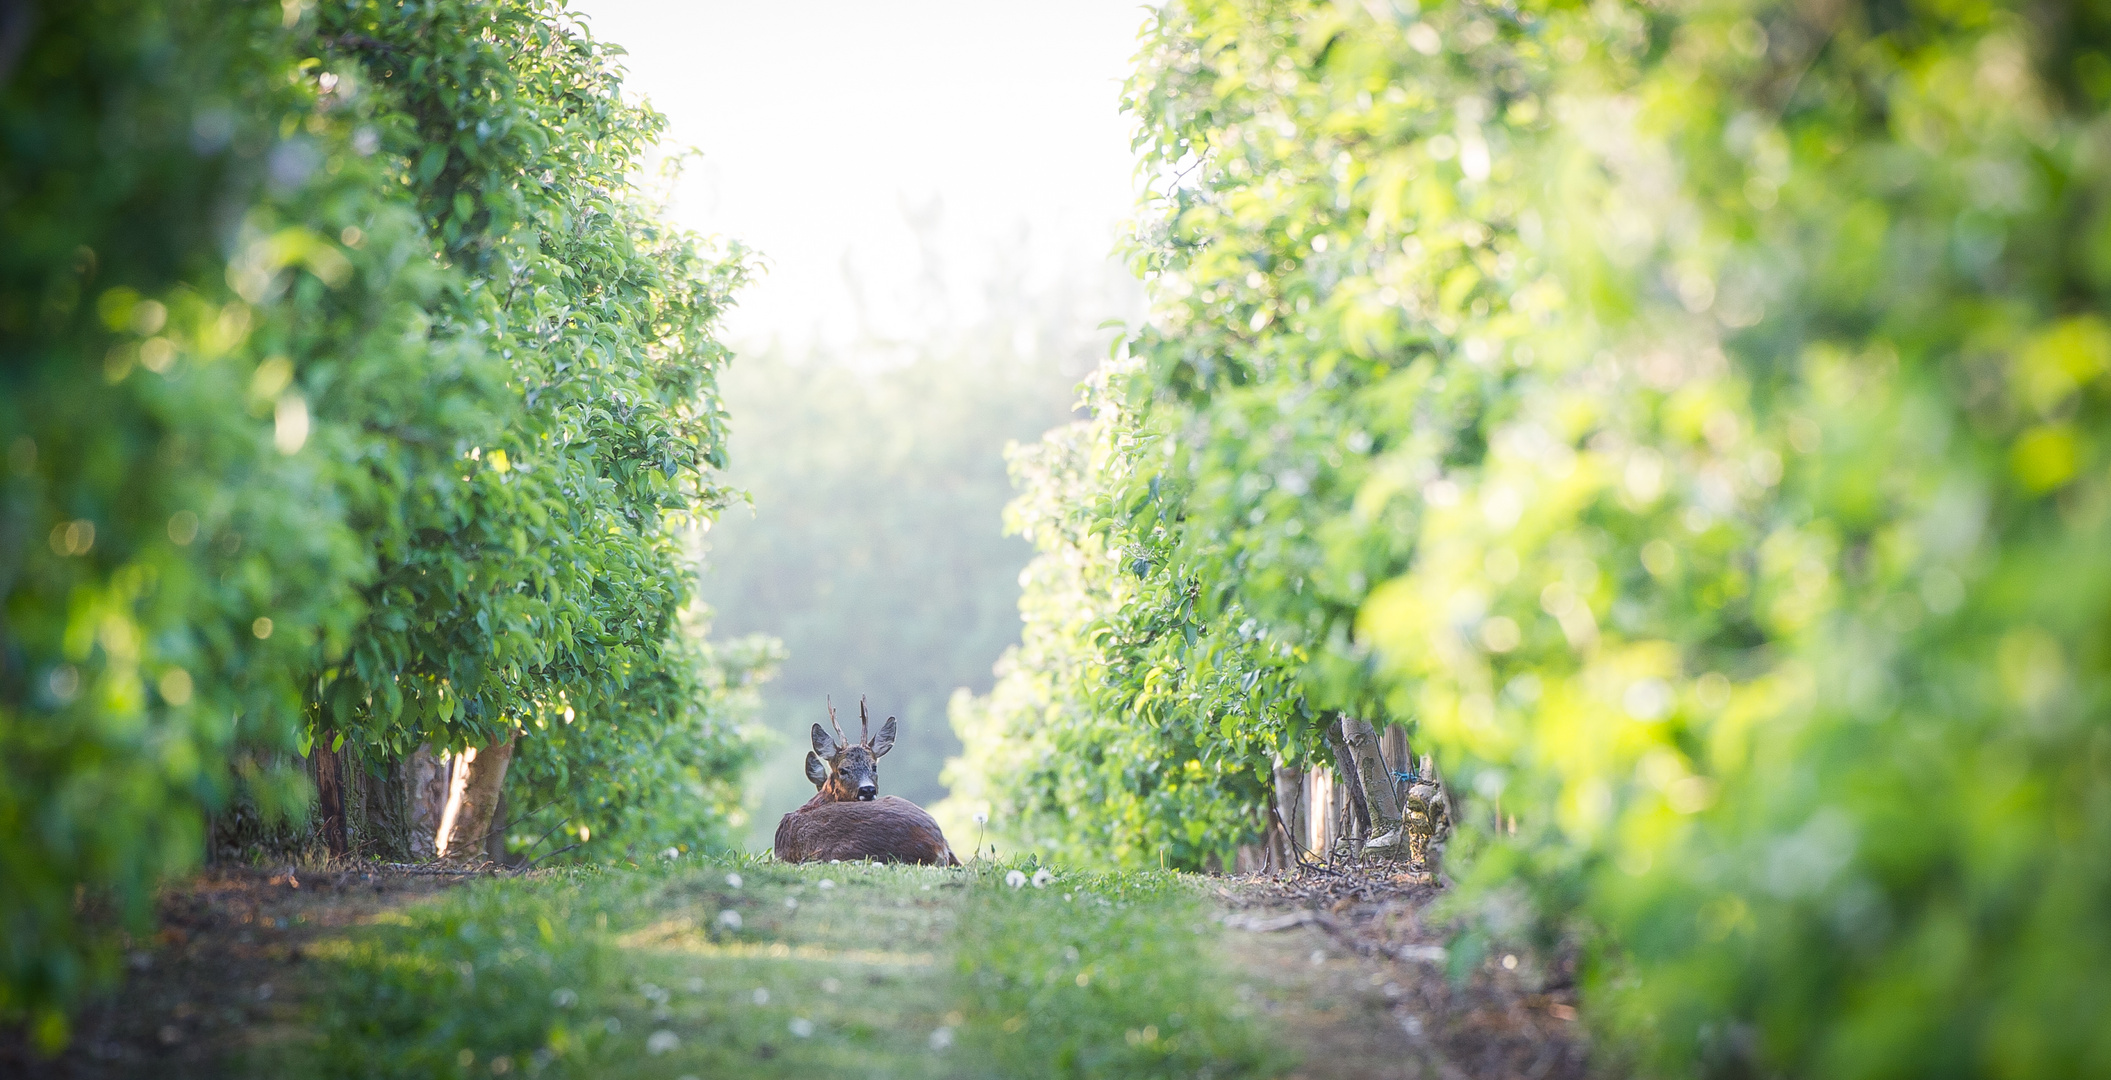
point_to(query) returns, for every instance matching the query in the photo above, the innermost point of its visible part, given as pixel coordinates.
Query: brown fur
(842, 770)
(847, 818)
(886, 829)
(835, 790)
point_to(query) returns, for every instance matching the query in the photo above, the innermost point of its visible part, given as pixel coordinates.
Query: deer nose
(867, 791)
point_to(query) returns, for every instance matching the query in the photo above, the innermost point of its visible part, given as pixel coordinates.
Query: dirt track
(1346, 967)
(1343, 967)
(221, 973)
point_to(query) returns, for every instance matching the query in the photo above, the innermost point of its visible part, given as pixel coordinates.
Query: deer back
(886, 829)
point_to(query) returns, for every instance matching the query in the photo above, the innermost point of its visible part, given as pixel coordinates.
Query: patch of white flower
(1042, 877)
(729, 919)
(1015, 879)
(734, 881)
(662, 1041)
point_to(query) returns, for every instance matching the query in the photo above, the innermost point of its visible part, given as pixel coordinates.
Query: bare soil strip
(1346, 968)
(221, 975)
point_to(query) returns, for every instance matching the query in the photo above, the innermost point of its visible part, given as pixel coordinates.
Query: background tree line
(873, 544)
(1691, 420)
(874, 548)
(355, 400)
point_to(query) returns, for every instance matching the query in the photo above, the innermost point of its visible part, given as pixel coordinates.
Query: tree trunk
(1290, 803)
(495, 837)
(1374, 781)
(389, 830)
(1428, 820)
(479, 778)
(1345, 766)
(1320, 807)
(330, 795)
(428, 781)
(1399, 757)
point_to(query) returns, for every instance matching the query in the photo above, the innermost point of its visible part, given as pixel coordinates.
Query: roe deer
(845, 770)
(847, 818)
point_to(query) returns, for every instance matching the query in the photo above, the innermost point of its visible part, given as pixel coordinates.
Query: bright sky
(827, 127)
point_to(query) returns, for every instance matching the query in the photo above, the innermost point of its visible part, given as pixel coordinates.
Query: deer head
(842, 770)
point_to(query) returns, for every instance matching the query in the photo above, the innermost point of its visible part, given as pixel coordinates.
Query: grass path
(740, 967)
(698, 968)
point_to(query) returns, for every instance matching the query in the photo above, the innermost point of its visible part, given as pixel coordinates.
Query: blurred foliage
(1692, 419)
(874, 548)
(354, 392)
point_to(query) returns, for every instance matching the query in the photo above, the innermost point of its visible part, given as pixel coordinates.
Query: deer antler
(864, 724)
(841, 739)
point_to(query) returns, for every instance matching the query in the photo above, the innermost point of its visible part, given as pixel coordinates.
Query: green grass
(831, 970)
(1098, 975)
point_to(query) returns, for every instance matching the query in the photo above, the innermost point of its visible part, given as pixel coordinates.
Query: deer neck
(833, 791)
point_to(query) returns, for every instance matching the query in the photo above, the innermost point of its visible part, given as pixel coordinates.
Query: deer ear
(816, 769)
(886, 740)
(824, 744)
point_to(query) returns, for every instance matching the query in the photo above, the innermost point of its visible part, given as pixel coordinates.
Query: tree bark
(1322, 810)
(495, 836)
(1428, 820)
(1290, 803)
(1399, 756)
(479, 778)
(330, 794)
(1375, 783)
(428, 783)
(388, 829)
(1352, 781)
